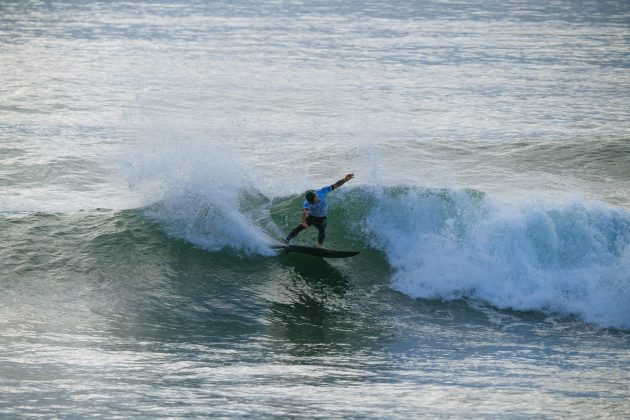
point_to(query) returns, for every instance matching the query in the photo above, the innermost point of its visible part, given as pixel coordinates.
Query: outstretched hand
(342, 181)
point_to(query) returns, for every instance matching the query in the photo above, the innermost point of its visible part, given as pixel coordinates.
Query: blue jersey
(320, 209)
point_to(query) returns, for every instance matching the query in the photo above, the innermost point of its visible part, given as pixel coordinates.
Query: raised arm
(342, 181)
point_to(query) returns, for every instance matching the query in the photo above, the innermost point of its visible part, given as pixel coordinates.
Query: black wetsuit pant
(318, 222)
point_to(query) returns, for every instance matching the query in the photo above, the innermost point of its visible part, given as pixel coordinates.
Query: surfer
(315, 211)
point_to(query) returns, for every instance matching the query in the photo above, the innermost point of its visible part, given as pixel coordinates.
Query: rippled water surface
(150, 152)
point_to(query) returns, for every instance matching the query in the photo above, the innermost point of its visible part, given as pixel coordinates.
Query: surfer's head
(311, 197)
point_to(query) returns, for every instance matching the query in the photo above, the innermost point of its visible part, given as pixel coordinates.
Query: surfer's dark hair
(310, 196)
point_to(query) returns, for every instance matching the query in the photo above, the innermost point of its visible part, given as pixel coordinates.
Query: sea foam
(194, 188)
(568, 258)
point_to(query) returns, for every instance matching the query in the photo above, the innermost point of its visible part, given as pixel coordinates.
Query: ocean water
(151, 152)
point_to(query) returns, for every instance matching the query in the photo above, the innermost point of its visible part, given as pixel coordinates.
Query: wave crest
(568, 258)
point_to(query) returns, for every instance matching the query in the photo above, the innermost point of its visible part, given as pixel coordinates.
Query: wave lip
(571, 258)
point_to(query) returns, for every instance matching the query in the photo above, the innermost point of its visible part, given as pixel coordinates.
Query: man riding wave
(315, 211)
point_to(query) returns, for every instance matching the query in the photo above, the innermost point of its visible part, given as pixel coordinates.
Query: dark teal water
(108, 315)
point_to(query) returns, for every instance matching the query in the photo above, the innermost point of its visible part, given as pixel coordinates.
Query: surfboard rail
(315, 251)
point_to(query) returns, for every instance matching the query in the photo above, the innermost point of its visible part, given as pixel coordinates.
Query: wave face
(570, 258)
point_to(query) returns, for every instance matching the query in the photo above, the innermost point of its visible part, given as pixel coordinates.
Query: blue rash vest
(321, 208)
